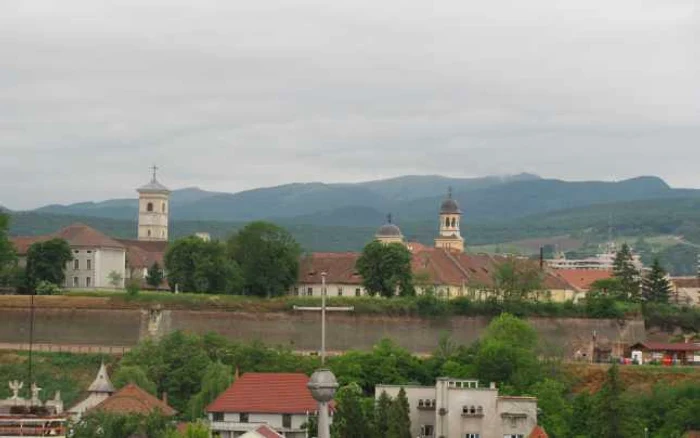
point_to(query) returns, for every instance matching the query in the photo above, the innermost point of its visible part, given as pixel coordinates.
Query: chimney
(165, 397)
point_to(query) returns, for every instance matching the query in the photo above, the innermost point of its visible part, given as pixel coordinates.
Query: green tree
(516, 280)
(109, 425)
(399, 420)
(655, 286)
(8, 256)
(195, 265)
(556, 411)
(627, 273)
(350, 419)
(115, 279)
(381, 415)
(508, 353)
(386, 269)
(133, 374)
(610, 406)
(46, 261)
(155, 275)
(268, 256)
(217, 378)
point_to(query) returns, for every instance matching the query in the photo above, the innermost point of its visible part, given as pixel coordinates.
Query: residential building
(99, 390)
(280, 401)
(582, 279)
(458, 408)
(95, 256)
(686, 290)
(603, 260)
(665, 353)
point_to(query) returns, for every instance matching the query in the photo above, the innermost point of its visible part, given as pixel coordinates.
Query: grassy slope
(69, 373)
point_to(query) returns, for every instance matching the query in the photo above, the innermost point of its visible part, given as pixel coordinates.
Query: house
(280, 401)
(262, 432)
(457, 408)
(666, 353)
(131, 399)
(99, 390)
(95, 256)
(102, 262)
(686, 290)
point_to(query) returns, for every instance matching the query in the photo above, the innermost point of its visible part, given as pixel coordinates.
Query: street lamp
(322, 386)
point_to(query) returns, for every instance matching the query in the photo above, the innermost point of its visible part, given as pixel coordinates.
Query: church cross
(449, 192)
(388, 218)
(154, 168)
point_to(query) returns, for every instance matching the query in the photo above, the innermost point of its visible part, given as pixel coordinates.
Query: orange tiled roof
(267, 393)
(686, 282)
(76, 235)
(131, 399)
(142, 254)
(582, 279)
(338, 266)
(267, 432)
(538, 432)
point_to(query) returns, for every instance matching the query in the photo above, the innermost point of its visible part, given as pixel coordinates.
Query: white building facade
(457, 408)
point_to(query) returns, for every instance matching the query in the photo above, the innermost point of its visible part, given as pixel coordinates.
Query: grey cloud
(235, 95)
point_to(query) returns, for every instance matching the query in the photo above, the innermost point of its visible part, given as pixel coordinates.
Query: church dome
(449, 206)
(389, 229)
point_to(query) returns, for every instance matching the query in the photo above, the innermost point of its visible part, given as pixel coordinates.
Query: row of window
(76, 281)
(245, 418)
(472, 410)
(149, 207)
(310, 291)
(76, 264)
(427, 403)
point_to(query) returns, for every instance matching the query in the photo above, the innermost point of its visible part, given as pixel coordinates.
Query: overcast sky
(232, 95)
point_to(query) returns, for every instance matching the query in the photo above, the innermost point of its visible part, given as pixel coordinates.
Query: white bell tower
(450, 237)
(154, 208)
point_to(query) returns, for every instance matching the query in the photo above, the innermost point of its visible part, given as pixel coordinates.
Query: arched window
(447, 222)
(149, 206)
(163, 207)
(454, 221)
(149, 233)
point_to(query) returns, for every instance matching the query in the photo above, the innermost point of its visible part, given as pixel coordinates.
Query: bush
(132, 288)
(47, 288)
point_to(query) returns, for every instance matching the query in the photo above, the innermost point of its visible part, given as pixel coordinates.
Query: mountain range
(408, 198)
(341, 217)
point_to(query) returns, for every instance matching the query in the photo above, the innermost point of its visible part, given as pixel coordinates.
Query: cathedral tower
(154, 207)
(449, 237)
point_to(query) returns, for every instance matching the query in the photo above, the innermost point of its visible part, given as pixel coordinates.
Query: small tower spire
(388, 218)
(449, 192)
(154, 168)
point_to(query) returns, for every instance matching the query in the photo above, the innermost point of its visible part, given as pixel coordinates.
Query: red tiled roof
(582, 279)
(142, 254)
(76, 235)
(338, 266)
(538, 432)
(131, 399)
(267, 393)
(267, 432)
(661, 346)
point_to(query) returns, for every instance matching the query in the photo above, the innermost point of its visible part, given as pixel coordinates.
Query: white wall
(109, 260)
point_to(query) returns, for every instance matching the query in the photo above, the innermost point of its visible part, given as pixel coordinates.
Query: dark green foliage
(556, 411)
(108, 425)
(195, 265)
(507, 353)
(46, 261)
(611, 406)
(381, 415)
(8, 257)
(655, 286)
(126, 374)
(399, 420)
(155, 275)
(268, 256)
(627, 274)
(352, 418)
(386, 269)
(217, 378)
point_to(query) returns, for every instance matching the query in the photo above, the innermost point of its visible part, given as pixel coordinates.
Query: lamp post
(323, 383)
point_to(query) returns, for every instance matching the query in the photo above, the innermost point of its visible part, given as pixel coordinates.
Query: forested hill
(410, 199)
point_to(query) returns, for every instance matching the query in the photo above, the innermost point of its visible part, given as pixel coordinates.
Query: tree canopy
(196, 265)
(268, 256)
(155, 275)
(628, 275)
(386, 269)
(46, 262)
(655, 286)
